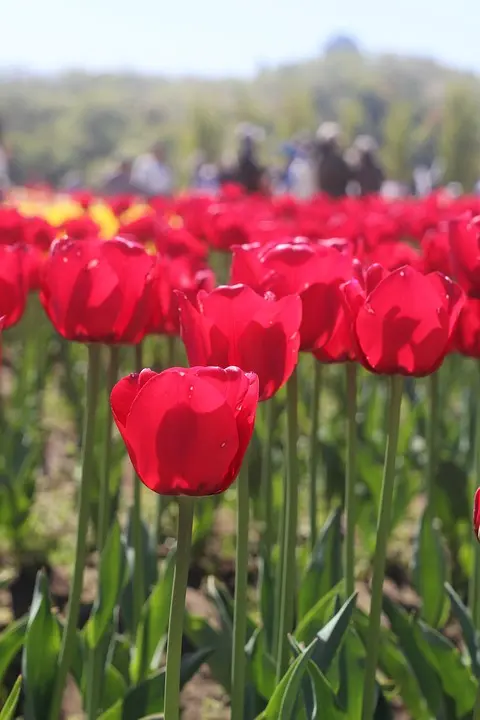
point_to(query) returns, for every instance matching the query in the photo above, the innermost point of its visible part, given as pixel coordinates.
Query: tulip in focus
(233, 325)
(98, 291)
(403, 322)
(186, 429)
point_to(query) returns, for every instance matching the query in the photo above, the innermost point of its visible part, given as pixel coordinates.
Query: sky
(226, 37)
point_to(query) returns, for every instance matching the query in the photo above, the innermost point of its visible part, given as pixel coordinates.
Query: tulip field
(240, 451)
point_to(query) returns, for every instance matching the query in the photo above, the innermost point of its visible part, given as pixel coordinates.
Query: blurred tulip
(98, 291)
(13, 286)
(233, 325)
(174, 274)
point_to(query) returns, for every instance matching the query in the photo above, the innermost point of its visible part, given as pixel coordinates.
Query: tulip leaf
(331, 636)
(286, 693)
(8, 710)
(114, 686)
(394, 665)
(464, 618)
(112, 580)
(11, 641)
(260, 664)
(149, 560)
(457, 679)
(201, 634)
(325, 704)
(419, 656)
(325, 567)
(316, 618)
(40, 652)
(120, 656)
(153, 624)
(429, 569)
(148, 696)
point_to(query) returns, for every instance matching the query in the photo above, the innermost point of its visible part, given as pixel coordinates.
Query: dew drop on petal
(93, 264)
(224, 444)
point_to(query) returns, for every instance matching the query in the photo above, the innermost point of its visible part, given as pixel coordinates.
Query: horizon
(188, 40)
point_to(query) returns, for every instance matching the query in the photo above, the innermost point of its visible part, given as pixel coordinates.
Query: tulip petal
(189, 444)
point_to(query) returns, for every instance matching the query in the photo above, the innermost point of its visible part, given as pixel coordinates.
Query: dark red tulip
(403, 322)
(84, 198)
(467, 333)
(233, 325)
(476, 514)
(175, 274)
(39, 232)
(142, 229)
(436, 251)
(98, 291)
(11, 226)
(119, 204)
(464, 236)
(80, 227)
(13, 287)
(186, 429)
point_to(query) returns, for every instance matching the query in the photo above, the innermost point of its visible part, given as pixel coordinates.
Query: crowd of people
(310, 165)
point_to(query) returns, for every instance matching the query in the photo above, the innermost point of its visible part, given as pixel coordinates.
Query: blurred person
(205, 176)
(332, 171)
(152, 174)
(249, 172)
(119, 181)
(365, 165)
(302, 171)
(227, 172)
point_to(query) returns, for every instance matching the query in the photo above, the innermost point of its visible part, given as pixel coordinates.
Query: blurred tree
(397, 150)
(351, 118)
(460, 134)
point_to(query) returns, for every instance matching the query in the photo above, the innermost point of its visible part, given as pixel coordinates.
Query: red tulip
(84, 198)
(142, 229)
(175, 274)
(467, 333)
(402, 322)
(80, 228)
(464, 236)
(11, 226)
(13, 288)
(436, 251)
(98, 291)
(186, 430)
(120, 204)
(476, 514)
(39, 232)
(233, 325)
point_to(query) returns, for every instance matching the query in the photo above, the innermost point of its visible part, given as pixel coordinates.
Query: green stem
(350, 478)
(104, 500)
(162, 500)
(474, 586)
(317, 386)
(138, 570)
(240, 602)
(279, 568)
(97, 654)
(287, 603)
(87, 479)
(266, 478)
(177, 608)
(383, 527)
(432, 435)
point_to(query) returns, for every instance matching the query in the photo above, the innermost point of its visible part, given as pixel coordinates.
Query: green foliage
(78, 122)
